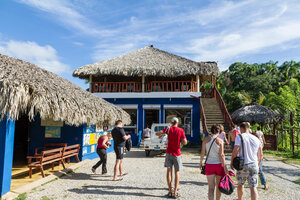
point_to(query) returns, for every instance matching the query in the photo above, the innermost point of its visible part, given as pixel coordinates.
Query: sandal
(170, 194)
(124, 174)
(176, 195)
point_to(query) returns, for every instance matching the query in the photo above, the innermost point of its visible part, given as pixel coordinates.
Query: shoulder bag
(238, 162)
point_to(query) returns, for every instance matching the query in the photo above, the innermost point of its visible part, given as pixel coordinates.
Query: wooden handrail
(171, 86)
(202, 115)
(225, 113)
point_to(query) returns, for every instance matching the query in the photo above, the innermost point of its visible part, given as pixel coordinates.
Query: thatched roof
(148, 61)
(26, 88)
(254, 113)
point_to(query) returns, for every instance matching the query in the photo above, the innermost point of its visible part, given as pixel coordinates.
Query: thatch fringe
(148, 61)
(26, 88)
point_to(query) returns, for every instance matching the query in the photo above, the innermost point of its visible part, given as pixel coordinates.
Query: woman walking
(222, 134)
(101, 151)
(215, 166)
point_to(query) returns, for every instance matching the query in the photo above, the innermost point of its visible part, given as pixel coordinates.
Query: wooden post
(143, 83)
(198, 83)
(91, 83)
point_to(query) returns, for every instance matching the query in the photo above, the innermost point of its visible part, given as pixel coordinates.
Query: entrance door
(21, 142)
(151, 116)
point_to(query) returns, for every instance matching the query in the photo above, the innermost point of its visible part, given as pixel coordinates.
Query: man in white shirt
(252, 158)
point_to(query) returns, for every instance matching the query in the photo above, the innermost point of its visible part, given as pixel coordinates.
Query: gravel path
(146, 180)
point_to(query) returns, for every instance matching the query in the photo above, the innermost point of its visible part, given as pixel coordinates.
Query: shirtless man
(232, 135)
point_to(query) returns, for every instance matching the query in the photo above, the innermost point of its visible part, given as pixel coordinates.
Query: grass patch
(46, 198)
(22, 196)
(297, 181)
(50, 181)
(285, 156)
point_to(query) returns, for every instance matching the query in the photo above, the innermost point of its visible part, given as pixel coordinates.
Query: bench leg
(69, 160)
(77, 158)
(52, 165)
(42, 171)
(30, 172)
(63, 164)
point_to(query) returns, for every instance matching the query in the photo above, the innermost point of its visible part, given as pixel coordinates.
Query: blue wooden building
(37, 107)
(153, 86)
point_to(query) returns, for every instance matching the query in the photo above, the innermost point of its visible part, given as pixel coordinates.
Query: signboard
(50, 122)
(86, 139)
(52, 132)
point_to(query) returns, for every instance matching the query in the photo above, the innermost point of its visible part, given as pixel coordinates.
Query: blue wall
(163, 101)
(7, 130)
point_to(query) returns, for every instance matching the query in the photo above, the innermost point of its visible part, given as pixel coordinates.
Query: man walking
(252, 157)
(119, 137)
(173, 154)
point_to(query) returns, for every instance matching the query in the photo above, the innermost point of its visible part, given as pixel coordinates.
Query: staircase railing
(225, 113)
(202, 115)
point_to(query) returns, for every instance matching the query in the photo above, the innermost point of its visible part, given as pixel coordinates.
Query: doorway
(151, 116)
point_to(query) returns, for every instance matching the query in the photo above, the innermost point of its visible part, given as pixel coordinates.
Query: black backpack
(128, 144)
(238, 162)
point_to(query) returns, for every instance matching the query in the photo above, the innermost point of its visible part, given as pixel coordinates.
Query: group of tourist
(245, 143)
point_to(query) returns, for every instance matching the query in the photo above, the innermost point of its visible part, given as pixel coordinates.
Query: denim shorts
(250, 173)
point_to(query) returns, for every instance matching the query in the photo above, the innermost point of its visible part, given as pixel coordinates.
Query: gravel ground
(146, 180)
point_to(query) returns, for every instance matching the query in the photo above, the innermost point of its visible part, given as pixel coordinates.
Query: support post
(7, 132)
(143, 83)
(198, 83)
(91, 82)
(292, 131)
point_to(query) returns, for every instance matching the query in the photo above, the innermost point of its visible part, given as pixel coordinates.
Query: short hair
(258, 128)
(215, 129)
(118, 122)
(244, 125)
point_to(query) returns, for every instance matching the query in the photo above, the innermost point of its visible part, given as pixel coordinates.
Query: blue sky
(62, 35)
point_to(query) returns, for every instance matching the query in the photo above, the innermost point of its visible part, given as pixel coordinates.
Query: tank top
(99, 145)
(147, 132)
(213, 157)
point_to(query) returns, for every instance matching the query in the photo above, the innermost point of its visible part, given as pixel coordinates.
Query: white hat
(174, 120)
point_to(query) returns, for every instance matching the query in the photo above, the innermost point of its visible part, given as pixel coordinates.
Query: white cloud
(43, 56)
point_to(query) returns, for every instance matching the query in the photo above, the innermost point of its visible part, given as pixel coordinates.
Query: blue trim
(7, 132)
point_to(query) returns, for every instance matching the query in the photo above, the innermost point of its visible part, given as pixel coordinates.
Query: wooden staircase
(213, 112)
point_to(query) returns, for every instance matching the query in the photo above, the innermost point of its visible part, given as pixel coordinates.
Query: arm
(264, 141)
(222, 154)
(159, 133)
(259, 155)
(225, 139)
(125, 137)
(184, 141)
(104, 142)
(202, 152)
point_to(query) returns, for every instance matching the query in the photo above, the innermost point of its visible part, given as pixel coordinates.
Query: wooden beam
(198, 83)
(143, 83)
(91, 82)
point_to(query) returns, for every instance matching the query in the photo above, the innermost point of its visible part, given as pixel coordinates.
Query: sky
(62, 35)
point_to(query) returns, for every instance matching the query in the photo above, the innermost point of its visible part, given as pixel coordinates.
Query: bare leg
(211, 179)
(218, 193)
(121, 167)
(177, 175)
(240, 192)
(117, 166)
(254, 195)
(169, 178)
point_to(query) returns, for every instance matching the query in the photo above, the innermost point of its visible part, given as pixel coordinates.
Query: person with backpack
(176, 136)
(120, 138)
(246, 157)
(214, 166)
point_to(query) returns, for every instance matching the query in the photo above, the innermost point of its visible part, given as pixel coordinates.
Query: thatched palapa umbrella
(26, 88)
(148, 61)
(254, 113)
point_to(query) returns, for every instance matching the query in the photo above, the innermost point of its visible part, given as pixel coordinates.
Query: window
(184, 115)
(131, 128)
(151, 116)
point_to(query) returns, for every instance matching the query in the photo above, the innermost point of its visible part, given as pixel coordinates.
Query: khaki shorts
(175, 161)
(250, 173)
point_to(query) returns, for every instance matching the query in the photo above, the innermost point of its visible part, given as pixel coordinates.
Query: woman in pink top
(101, 151)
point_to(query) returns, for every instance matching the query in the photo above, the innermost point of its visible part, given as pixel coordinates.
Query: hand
(200, 166)
(226, 170)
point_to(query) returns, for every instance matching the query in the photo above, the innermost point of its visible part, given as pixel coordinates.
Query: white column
(90, 81)
(143, 83)
(198, 83)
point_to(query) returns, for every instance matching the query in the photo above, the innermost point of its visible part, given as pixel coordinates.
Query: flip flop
(119, 179)
(170, 194)
(124, 174)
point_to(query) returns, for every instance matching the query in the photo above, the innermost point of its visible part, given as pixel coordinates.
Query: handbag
(238, 162)
(203, 167)
(226, 185)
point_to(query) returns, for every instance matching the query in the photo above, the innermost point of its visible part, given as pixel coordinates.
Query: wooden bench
(48, 146)
(71, 151)
(46, 157)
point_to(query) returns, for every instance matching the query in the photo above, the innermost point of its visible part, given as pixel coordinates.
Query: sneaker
(94, 170)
